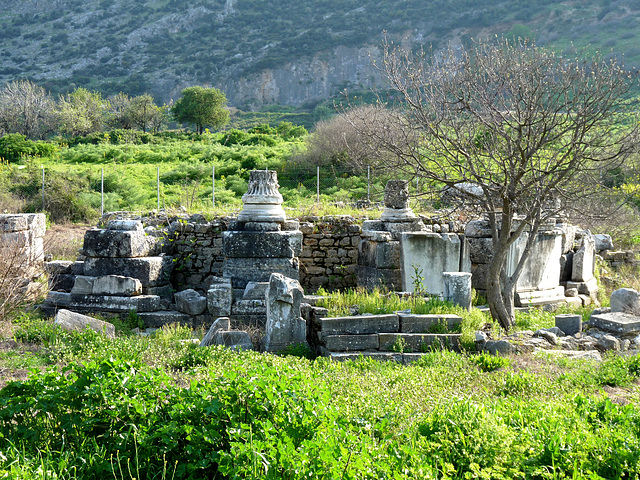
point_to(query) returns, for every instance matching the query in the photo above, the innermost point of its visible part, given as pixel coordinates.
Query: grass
(155, 407)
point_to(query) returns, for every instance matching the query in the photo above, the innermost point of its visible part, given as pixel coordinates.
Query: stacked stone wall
(198, 252)
(21, 244)
(329, 252)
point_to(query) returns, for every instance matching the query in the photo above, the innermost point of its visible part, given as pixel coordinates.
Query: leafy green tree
(81, 112)
(141, 111)
(202, 107)
(118, 111)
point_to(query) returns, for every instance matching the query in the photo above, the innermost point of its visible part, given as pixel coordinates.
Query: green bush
(14, 147)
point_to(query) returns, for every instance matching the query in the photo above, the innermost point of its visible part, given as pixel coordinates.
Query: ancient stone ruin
(253, 270)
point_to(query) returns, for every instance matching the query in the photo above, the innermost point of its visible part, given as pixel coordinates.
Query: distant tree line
(29, 110)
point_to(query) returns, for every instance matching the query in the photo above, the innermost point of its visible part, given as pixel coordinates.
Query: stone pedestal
(261, 242)
(119, 268)
(539, 282)
(284, 325)
(379, 253)
(457, 288)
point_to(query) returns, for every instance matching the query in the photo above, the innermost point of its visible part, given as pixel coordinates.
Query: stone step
(423, 323)
(417, 342)
(358, 325)
(105, 303)
(403, 358)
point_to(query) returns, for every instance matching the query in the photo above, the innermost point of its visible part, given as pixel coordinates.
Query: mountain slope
(259, 52)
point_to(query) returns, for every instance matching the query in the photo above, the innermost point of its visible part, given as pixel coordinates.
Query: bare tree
(344, 139)
(26, 108)
(526, 126)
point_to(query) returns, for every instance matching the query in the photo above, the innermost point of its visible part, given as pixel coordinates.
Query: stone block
(117, 243)
(255, 291)
(569, 323)
(457, 288)
(249, 307)
(540, 297)
(233, 339)
(584, 260)
(590, 287)
(371, 277)
(566, 267)
(58, 267)
(419, 323)
(221, 323)
(165, 317)
(284, 324)
(603, 241)
(262, 244)
(72, 321)
(241, 271)
(615, 322)
(15, 240)
(117, 285)
(190, 302)
(83, 285)
(104, 303)
(359, 325)
(499, 347)
(480, 249)
(419, 342)
(151, 271)
(58, 299)
(379, 254)
(125, 225)
(346, 343)
(428, 255)
(165, 292)
(608, 342)
(13, 223)
(479, 275)
(625, 300)
(379, 356)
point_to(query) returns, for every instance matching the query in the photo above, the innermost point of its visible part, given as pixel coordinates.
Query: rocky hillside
(290, 52)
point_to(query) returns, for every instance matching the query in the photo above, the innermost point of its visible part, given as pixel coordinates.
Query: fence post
(158, 181)
(102, 192)
(43, 188)
(318, 184)
(368, 183)
(213, 186)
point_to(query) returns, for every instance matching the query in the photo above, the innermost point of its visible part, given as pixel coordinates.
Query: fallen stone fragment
(71, 321)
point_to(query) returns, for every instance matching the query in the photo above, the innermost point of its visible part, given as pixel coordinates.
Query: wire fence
(74, 192)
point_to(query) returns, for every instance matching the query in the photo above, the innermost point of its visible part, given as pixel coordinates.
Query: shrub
(14, 147)
(488, 363)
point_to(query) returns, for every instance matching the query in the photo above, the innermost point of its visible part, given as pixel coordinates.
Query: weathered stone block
(117, 243)
(358, 325)
(190, 302)
(219, 299)
(233, 339)
(255, 291)
(151, 271)
(419, 342)
(379, 254)
(415, 323)
(615, 322)
(244, 270)
(165, 317)
(58, 267)
(221, 323)
(345, 343)
(570, 324)
(625, 300)
(371, 277)
(72, 321)
(584, 260)
(431, 254)
(284, 325)
(117, 285)
(262, 244)
(13, 223)
(457, 288)
(379, 356)
(104, 303)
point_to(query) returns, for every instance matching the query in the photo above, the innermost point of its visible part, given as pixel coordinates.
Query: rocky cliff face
(307, 80)
(291, 52)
